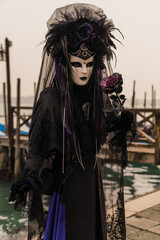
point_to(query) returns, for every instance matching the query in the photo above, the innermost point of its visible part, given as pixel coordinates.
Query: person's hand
(19, 187)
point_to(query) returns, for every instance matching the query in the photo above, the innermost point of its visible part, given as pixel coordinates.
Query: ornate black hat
(79, 29)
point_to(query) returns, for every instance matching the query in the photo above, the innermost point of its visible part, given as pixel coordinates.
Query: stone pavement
(143, 217)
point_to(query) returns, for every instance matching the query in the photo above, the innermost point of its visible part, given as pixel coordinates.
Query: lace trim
(43, 135)
(116, 222)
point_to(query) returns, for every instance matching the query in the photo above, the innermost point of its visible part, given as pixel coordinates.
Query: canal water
(139, 179)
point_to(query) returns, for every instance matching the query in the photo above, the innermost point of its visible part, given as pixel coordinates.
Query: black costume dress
(77, 207)
(74, 211)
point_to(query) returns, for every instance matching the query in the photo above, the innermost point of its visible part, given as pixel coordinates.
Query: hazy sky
(24, 23)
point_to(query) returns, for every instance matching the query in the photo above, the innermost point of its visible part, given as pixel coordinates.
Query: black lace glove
(125, 135)
(127, 118)
(19, 187)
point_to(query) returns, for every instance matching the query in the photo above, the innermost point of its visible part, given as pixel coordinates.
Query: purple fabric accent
(55, 226)
(67, 127)
(58, 74)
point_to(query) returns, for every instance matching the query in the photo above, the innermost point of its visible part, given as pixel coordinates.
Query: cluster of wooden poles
(14, 135)
(16, 142)
(153, 97)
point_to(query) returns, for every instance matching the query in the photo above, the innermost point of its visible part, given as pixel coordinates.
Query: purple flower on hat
(85, 31)
(112, 83)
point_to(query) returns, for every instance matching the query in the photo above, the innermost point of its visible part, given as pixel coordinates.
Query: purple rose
(85, 31)
(112, 83)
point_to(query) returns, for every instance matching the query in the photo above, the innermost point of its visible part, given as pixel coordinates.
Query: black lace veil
(66, 15)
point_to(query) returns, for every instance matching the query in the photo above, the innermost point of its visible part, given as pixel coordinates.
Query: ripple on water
(139, 178)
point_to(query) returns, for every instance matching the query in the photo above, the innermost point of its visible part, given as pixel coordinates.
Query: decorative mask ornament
(83, 52)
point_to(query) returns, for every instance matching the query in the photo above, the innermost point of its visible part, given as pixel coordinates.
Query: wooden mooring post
(157, 142)
(35, 87)
(145, 99)
(5, 108)
(17, 165)
(153, 103)
(8, 44)
(134, 93)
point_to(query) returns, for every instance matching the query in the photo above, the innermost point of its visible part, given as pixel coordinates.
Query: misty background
(24, 23)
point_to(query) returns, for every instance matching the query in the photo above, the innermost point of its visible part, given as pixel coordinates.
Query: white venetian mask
(81, 69)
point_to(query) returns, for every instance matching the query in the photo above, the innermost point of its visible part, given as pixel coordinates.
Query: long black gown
(77, 208)
(78, 202)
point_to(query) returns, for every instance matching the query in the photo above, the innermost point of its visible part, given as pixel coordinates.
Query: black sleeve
(43, 134)
(124, 128)
(43, 138)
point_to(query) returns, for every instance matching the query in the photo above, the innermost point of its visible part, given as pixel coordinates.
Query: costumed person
(78, 102)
